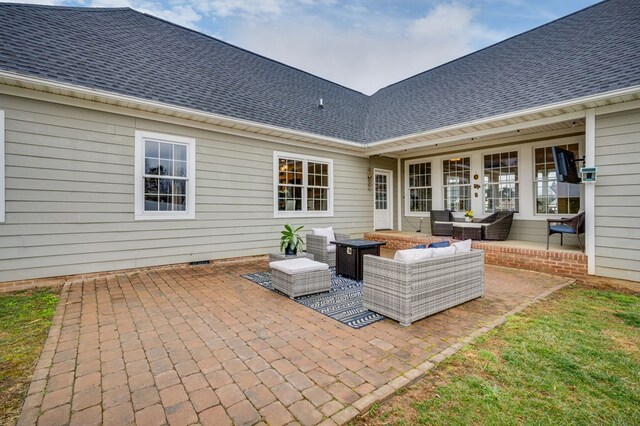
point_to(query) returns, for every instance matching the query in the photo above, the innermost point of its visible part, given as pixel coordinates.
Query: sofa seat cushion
(298, 266)
(562, 228)
(331, 248)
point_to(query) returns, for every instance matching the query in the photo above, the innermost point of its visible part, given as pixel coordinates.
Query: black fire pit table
(349, 256)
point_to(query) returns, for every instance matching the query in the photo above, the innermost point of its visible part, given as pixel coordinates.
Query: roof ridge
(58, 7)
(492, 45)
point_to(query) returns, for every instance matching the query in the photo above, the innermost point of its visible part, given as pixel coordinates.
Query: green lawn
(25, 318)
(572, 359)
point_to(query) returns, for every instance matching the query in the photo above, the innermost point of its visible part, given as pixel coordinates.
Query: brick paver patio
(203, 345)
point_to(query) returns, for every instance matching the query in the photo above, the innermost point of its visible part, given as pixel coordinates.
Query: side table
(465, 231)
(349, 256)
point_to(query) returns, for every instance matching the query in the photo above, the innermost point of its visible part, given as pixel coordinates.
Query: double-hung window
(303, 185)
(501, 182)
(165, 177)
(553, 197)
(456, 180)
(420, 195)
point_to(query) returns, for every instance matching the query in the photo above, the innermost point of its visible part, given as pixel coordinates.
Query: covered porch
(564, 260)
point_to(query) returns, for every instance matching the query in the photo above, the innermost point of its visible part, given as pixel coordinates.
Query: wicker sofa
(407, 292)
(317, 245)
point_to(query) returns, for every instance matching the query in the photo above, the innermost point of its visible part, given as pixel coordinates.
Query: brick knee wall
(562, 263)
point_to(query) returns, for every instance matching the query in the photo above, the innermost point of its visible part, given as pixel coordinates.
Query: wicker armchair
(566, 225)
(442, 229)
(498, 226)
(407, 292)
(317, 245)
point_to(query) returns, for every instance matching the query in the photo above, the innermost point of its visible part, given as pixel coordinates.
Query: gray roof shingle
(593, 51)
(123, 51)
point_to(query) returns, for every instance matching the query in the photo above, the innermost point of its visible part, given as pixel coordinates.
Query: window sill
(280, 214)
(148, 216)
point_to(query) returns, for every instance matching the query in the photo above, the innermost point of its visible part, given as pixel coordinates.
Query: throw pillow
(439, 244)
(412, 255)
(444, 251)
(419, 246)
(325, 232)
(462, 246)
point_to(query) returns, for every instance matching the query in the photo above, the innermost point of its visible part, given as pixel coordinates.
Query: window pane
(151, 149)
(166, 151)
(180, 152)
(317, 199)
(166, 167)
(151, 166)
(180, 168)
(150, 186)
(289, 198)
(150, 202)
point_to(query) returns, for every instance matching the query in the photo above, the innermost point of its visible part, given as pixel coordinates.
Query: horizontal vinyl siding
(617, 209)
(70, 195)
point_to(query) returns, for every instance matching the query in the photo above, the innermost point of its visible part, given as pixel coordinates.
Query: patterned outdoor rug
(342, 303)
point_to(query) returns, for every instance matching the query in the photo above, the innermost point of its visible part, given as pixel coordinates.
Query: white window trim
(443, 187)
(559, 141)
(140, 214)
(303, 213)
(407, 192)
(518, 181)
(2, 177)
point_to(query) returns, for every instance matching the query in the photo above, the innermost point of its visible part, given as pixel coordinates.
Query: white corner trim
(590, 192)
(303, 213)
(2, 163)
(140, 214)
(399, 184)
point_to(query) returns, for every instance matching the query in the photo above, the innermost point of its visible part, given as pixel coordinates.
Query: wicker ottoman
(299, 277)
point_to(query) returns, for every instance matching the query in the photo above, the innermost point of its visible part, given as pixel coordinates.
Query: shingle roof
(128, 52)
(123, 51)
(593, 51)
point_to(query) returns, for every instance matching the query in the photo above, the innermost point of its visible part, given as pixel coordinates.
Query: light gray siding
(617, 209)
(70, 195)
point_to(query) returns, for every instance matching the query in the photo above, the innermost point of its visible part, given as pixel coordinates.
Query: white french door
(383, 199)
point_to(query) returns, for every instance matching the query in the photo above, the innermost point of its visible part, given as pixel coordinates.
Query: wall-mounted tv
(565, 162)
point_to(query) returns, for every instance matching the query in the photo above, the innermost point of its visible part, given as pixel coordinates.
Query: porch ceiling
(544, 119)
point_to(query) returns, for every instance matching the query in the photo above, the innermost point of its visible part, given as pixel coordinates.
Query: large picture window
(553, 197)
(165, 176)
(456, 179)
(303, 185)
(501, 182)
(420, 195)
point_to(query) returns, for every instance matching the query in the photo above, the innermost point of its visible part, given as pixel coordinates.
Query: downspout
(590, 191)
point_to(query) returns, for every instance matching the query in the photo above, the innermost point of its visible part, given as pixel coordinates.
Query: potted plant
(468, 216)
(290, 241)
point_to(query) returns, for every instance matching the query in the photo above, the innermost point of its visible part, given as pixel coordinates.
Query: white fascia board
(189, 112)
(511, 115)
